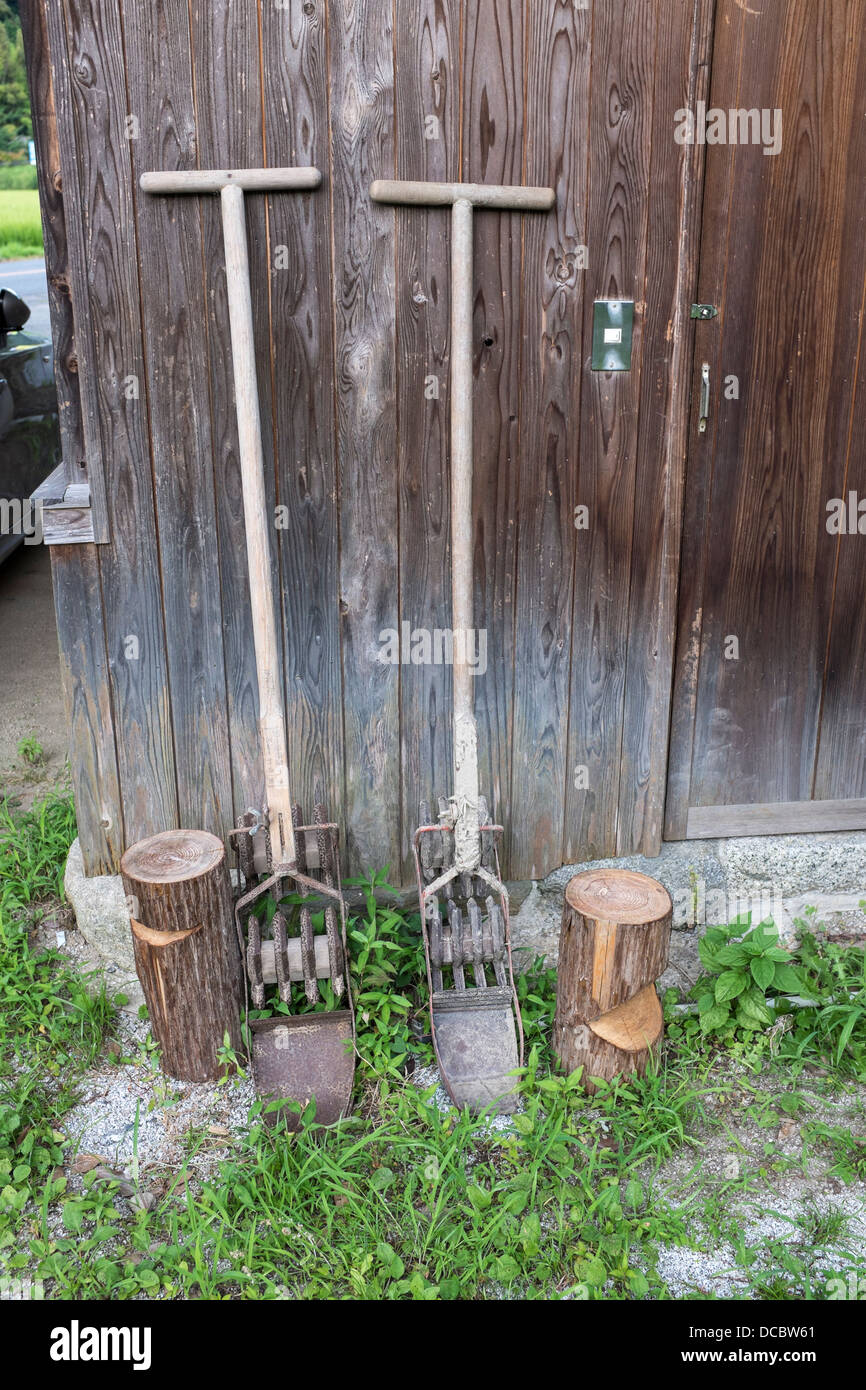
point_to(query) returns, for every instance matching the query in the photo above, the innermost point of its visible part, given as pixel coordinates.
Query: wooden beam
(780, 818)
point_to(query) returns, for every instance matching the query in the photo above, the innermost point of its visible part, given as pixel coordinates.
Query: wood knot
(85, 72)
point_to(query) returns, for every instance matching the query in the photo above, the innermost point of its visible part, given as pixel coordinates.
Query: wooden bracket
(66, 515)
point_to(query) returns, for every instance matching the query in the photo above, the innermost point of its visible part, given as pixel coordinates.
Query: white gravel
(129, 1111)
(715, 1271)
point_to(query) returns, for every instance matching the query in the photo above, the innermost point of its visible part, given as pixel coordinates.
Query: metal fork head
(473, 1001)
(287, 959)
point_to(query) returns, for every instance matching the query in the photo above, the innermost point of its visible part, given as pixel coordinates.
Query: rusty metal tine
(335, 946)
(487, 932)
(254, 960)
(308, 956)
(455, 918)
(436, 946)
(447, 943)
(308, 945)
(498, 931)
(477, 947)
(281, 957)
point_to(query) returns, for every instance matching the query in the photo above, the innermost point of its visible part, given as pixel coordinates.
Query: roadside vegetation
(574, 1197)
(20, 225)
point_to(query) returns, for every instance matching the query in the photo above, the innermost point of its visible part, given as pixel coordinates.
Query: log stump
(613, 946)
(186, 949)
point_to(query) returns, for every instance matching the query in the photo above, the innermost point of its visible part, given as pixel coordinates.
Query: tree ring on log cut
(173, 856)
(623, 896)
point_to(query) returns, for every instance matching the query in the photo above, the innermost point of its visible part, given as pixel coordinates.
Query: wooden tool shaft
(463, 198)
(272, 729)
(505, 197)
(215, 180)
(467, 840)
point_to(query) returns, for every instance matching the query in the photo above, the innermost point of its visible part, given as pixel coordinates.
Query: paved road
(27, 280)
(31, 698)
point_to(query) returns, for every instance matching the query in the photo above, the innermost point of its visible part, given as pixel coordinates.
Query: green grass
(51, 1025)
(16, 176)
(400, 1202)
(33, 850)
(20, 224)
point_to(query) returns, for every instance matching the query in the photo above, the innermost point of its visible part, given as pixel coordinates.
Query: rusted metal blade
(476, 1046)
(305, 1056)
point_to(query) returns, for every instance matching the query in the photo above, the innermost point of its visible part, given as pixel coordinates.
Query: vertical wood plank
(362, 148)
(89, 716)
(294, 47)
(757, 716)
(493, 152)
(551, 328)
(729, 22)
(130, 578)
(75, 351)
(676, 178)
(160, 96)
(227, 72)
(840, 764)
(44, 117)
(623, 61)
(428, 61)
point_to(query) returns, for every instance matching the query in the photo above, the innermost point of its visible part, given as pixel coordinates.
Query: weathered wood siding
(352, 312)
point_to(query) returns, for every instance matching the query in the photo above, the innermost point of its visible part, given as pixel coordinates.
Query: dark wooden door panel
(783, 257)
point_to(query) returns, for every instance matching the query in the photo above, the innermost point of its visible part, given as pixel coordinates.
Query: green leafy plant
(742, 969)
(30, 751)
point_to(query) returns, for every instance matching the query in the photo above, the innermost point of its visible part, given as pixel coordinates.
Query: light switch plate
(612, 326)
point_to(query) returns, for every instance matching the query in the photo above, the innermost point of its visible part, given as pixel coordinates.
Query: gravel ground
(714, 1271)
(130, 1110)
(762, 1189)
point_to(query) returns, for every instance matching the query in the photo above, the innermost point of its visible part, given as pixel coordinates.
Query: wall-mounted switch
(612, 325)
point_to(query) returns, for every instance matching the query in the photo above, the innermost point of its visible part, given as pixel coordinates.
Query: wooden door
(769, 713)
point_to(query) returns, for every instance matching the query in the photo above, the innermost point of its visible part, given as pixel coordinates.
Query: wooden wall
(352, 314)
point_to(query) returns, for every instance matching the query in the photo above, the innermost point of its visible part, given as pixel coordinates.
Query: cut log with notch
(186, 950)
(613, 946)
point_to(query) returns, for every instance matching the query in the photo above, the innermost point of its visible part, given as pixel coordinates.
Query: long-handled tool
(456, 861)
(295, 1056)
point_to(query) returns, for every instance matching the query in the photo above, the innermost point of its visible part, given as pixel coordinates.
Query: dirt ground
(31, 698)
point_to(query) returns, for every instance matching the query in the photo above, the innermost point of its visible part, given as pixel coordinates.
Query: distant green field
(20, 224)
(18, 176)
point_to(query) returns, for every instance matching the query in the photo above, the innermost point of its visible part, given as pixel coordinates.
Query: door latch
(705, 398)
